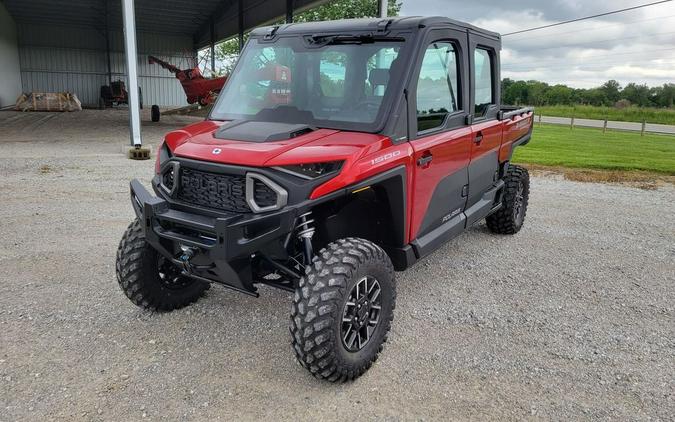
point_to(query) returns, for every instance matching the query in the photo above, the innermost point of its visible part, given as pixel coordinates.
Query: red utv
(337, 153)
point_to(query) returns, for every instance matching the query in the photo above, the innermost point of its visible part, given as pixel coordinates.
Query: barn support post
(132, 71)
(382, 8)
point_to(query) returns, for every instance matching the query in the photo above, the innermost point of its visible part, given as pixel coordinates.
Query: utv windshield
(331, 81)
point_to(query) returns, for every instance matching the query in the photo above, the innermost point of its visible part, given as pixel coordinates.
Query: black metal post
(289, 11)
(213, 46)
(241, 24)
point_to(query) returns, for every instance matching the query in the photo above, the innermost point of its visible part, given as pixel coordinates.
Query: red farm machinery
(198, 89)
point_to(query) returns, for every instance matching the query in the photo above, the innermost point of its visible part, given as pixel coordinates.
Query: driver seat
(378, 77)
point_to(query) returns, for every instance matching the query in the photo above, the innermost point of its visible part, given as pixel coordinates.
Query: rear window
(484, 77)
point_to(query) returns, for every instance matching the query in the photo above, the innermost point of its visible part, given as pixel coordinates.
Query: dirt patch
(640, 179)
(45, 169)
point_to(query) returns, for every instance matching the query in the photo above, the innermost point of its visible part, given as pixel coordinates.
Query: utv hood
(247, 143)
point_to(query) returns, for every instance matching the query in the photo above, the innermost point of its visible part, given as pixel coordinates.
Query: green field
(630, 114)
(591, 149)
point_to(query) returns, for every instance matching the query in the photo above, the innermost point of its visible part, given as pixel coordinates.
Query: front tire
(148, 279)
(510, 217)
(342, 310)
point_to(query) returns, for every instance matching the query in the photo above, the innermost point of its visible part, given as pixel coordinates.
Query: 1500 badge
(385, 157)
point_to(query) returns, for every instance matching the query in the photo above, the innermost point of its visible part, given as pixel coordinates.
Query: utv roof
(373, 24)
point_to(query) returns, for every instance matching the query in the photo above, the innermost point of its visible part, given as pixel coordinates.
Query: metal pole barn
(132, 71)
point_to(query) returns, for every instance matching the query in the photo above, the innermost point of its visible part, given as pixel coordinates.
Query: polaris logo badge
(216, 151)
(451, 215)
(386, 157)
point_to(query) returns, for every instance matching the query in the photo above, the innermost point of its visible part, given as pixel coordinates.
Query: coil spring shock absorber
(305, 231)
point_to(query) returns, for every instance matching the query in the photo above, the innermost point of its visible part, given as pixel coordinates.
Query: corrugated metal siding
(59, 58)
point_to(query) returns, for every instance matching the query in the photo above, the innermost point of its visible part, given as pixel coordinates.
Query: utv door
(487, 130)
(441, 139)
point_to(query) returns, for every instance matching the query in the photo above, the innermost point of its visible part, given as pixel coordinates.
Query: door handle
(479, 138)
(425, 160)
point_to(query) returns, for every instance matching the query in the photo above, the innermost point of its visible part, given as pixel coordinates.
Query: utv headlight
(163, 155)
(312, 170)
(166, 170)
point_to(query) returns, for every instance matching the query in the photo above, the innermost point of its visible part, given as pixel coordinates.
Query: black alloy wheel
(361, 313)
(518, 202)
(170, 274)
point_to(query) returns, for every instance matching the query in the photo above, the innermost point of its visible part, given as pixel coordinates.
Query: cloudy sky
(634, 46)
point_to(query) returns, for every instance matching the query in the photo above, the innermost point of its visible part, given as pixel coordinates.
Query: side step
(485, 206)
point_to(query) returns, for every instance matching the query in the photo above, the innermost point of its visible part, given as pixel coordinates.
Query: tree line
(610, 94)
(228, 51)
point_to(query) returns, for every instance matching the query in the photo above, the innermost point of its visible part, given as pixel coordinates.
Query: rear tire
(148, 279)
(510, 217)
(342, 310)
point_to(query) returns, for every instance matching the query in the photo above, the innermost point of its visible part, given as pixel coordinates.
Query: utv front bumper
(225, 244)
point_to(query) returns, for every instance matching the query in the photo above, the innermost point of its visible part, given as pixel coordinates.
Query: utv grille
(264, 195)
(223, 192)
(217, 191)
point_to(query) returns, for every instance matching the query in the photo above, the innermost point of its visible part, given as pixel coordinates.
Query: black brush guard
(228, 242)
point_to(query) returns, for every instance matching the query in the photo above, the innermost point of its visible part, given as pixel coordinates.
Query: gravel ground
(573, 318)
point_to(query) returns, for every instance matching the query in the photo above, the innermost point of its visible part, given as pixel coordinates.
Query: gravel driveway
(573, 318)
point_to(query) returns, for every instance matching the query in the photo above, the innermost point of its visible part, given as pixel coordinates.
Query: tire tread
(502, 221)
(134, 276)
(320, 294)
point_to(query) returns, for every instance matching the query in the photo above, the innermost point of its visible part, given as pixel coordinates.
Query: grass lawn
(630, 114)
(591, 149)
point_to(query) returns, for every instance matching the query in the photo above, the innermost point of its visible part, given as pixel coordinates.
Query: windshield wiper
(321, 40)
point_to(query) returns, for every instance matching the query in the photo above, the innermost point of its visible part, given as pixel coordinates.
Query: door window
(484, 77)
(437, 86)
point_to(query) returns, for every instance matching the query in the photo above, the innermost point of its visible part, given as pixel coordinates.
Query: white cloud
(635, 46)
